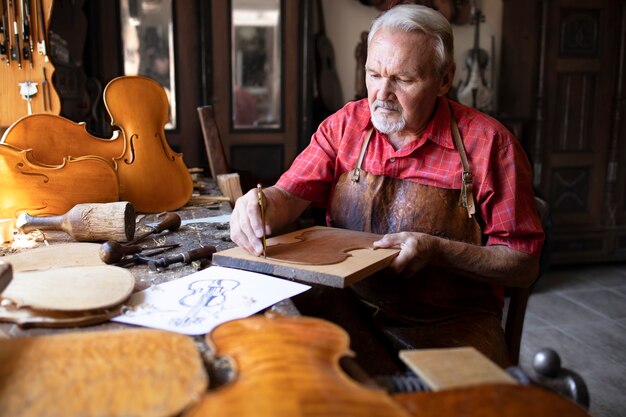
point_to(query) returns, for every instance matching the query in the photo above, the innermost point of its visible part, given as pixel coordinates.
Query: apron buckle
(467, 200)
(356, 176)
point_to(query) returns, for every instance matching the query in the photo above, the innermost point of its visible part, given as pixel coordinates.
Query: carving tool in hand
(204, 252)
(259, 189)
(170, 222)
(112, 252)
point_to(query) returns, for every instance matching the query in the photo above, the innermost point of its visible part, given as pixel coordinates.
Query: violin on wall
(25, 68)
(150, 175)
(328, 97)
(474, 90)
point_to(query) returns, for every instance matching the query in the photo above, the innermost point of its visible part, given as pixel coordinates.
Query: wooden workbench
(189, 236)
(468, 402)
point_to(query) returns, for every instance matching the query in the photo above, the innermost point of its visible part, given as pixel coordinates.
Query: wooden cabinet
(563, 72)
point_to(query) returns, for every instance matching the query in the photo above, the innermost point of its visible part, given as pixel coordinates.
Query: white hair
(413, 18)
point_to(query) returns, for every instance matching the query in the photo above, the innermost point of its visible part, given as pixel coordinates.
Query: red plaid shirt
(502, 175)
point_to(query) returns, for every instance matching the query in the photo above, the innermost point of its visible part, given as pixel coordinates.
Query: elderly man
(448, 185)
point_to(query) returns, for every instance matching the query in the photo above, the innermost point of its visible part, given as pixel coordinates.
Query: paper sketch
(204, 294)
(197, 303)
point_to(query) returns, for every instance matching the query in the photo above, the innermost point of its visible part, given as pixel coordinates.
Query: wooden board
(360, 263)
(448, 368)
(76, 288)
(117, 373)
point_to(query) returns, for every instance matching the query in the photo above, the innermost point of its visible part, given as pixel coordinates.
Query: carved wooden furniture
(563, 73)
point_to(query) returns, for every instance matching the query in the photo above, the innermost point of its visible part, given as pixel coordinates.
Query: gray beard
(386, 127)
(380, 123)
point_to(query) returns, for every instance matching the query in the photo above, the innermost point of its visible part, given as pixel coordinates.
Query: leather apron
(436, 307)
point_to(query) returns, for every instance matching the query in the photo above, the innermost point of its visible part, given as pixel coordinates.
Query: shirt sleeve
(311, 174)
(509, 208)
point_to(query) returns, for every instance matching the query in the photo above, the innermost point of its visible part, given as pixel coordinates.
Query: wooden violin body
(53, 138)
(151, 176)
(289, 366)
(40, 189)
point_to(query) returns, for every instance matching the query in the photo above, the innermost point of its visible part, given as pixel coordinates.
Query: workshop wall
(346, 19)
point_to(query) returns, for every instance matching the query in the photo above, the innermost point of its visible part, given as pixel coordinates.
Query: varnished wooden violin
(39, 189)
(151, 175)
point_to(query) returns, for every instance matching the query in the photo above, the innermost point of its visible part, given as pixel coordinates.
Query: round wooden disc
(71, 289)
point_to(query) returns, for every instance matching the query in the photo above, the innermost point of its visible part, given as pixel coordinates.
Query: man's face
(402, 86)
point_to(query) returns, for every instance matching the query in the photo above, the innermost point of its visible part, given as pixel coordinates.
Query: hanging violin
(474, 91)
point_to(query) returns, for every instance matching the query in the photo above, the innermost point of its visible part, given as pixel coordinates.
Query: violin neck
(478, 16)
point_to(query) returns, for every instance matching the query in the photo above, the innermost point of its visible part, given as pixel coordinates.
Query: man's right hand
(246, 225)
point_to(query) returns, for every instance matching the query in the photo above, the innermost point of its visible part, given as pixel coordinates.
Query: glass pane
(148, 44)
(256, 64)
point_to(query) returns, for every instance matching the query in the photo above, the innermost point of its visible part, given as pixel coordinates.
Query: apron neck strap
(357, 171)
(467, 198)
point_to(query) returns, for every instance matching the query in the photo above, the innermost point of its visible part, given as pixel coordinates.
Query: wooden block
(7, 227)
(109, 373)
(230, 186)
(359, 264)
(448, 368)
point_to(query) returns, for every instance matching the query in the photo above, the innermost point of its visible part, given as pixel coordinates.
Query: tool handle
(185, 257)
(112, 252)
(170, 222)
(27, 223)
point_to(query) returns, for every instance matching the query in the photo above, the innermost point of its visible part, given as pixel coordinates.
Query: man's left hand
(416, 251)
